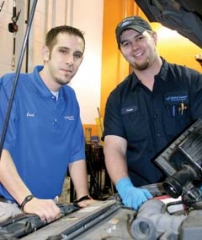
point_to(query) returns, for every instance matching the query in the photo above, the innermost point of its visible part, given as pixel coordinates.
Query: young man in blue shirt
(44, 136)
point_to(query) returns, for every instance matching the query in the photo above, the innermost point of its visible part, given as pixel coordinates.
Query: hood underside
(184, 16)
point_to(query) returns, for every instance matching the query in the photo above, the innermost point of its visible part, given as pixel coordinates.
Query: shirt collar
(40, 86)
(163, 71)
(134, 81)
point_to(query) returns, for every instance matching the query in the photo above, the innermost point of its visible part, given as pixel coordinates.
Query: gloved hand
(132, 196)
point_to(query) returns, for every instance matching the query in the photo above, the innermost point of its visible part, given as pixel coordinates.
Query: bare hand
(46, 209)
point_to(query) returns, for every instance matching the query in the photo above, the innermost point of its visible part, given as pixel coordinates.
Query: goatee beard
(61, 82)
(141, 67)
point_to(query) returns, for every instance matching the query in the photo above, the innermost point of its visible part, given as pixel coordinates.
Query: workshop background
(103, 66)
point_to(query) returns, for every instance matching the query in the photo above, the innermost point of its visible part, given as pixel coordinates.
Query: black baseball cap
(135, 22)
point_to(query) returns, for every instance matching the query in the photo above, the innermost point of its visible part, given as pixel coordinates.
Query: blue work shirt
(44, 135)
(151, 120)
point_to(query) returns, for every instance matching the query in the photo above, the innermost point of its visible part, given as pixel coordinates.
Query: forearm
(10, 178)
(115, 160)
(116, 167)
(78, 174)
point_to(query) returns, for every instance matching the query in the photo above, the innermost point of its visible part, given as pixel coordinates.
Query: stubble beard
(62, 82)
(142, 66)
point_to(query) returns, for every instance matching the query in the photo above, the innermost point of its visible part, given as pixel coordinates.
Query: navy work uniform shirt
(151, 120)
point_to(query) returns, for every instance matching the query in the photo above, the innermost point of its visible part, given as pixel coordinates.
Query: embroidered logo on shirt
(177, 102)
(176, 98)
(70, 118)
(30, 114)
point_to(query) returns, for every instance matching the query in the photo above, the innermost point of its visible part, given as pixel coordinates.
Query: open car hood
(184, 16)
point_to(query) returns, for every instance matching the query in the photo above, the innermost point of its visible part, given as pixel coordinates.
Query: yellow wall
(114, 68)
(176, 48)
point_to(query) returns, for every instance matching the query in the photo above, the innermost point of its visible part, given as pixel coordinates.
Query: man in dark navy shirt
(146, 112)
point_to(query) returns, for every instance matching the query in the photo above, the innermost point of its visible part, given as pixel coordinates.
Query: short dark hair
(51, 36)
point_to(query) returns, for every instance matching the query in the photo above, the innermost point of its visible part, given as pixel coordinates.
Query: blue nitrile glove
(132, 196)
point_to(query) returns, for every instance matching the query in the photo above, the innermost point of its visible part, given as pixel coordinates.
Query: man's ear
(45, 53)
(155, 37)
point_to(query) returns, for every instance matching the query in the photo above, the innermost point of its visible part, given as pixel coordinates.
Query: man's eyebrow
(138, 35)
(78, 51)
(125, 40)
(67, 48)
(63, 47)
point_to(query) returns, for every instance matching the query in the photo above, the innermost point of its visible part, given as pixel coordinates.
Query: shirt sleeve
(78, 140)
(196, 96)
(7, 130)
(113, 120)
